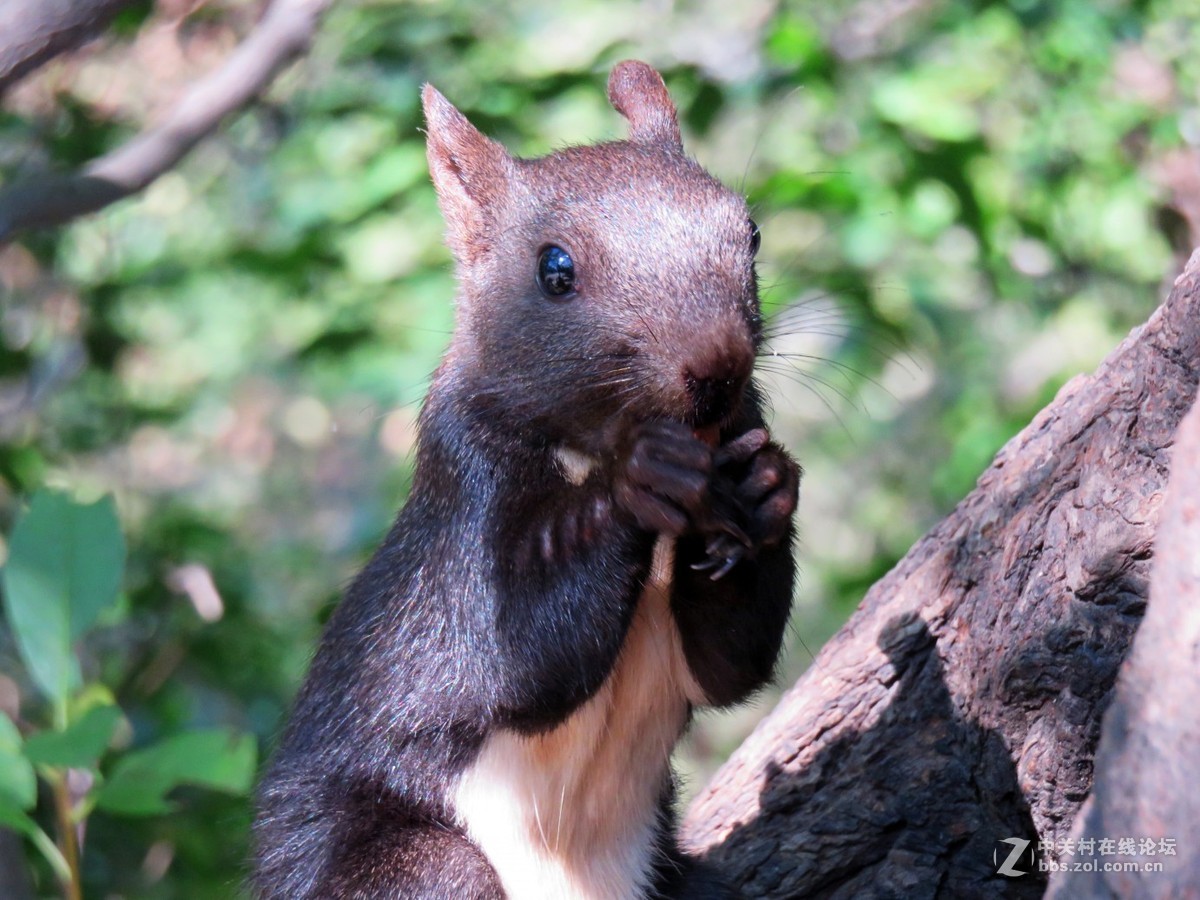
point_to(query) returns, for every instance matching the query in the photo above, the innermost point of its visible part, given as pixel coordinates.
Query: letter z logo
(1007, 868)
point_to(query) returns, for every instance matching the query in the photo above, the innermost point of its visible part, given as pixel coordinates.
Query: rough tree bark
(962, 703)
(1148, 764)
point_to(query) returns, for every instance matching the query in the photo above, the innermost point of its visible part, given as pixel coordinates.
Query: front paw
(754, 490)
(765, 482)
(662, 480)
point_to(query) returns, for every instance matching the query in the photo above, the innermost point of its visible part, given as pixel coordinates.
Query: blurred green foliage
(962, 206)
(61, 578)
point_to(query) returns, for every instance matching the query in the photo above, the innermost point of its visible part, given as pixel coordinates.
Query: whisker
(825, 382)
(844, 369)
(800, 379)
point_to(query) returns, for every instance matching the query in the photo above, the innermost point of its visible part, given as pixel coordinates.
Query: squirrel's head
(599, 282)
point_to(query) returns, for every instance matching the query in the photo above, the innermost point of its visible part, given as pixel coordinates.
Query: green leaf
(64, 567)
(80, 745)
(11, 816)
(18, 784)
(216, 759)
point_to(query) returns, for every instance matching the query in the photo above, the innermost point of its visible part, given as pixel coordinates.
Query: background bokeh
(962, 204)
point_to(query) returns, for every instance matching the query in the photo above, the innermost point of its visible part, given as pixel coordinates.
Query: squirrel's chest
(574, 813)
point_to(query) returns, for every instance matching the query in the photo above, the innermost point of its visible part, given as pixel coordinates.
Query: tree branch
(36, 31)
(285, 32)
(1148, 766)
(961, 704)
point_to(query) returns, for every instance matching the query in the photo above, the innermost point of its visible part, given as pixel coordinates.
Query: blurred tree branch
(36, 31)
(284, 33)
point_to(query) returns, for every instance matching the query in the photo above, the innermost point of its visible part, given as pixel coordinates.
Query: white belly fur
(571, 814)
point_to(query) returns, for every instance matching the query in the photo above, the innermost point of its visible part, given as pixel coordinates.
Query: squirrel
(598, 540)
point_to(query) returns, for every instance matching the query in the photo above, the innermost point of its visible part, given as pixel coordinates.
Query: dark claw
(722, 546)
(724, 570)
(729, 533)
(722, 555)
(718, 567)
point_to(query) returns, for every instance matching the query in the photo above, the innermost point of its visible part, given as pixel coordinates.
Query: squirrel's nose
(713, 395)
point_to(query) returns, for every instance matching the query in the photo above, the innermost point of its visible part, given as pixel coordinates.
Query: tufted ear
(471, 173)
(638, 93)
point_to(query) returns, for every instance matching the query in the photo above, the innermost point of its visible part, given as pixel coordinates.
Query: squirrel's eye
(755, 237)
(556, 272)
